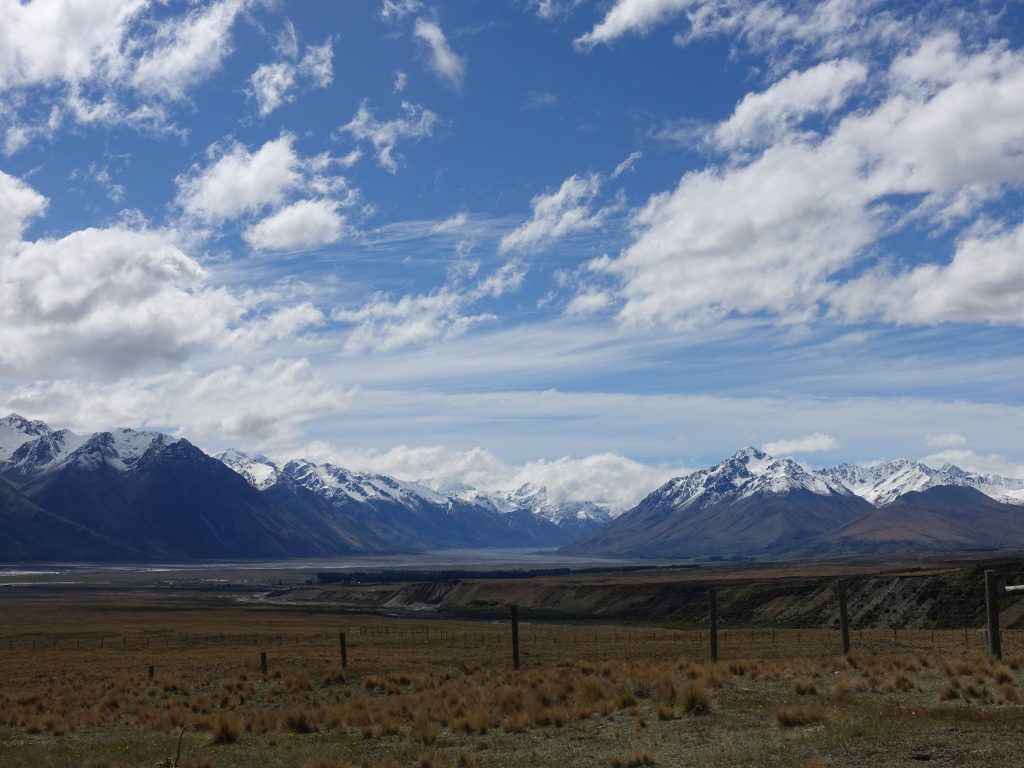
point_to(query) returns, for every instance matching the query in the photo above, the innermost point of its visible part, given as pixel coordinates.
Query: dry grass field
(75, 691)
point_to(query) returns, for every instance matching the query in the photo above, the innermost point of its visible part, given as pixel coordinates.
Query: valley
(134, 496)
(120, 668)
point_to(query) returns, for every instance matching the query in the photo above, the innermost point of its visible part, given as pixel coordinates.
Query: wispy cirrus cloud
(385, 324)
(445, 62)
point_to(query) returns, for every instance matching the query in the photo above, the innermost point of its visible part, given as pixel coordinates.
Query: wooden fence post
(515, 636)
(844, 621)
(343, 649)
(263, 662)
(992, 606)
(713, 610)
(152, 670)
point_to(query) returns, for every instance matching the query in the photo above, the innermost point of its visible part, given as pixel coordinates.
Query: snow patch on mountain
(260, 471)
(882, 482)
(535, 499)
(746, 473)
(335, 482)
(29, 449)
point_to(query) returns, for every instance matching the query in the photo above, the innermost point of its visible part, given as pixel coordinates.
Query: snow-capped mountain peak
(746, 473)
(260, 471)
(536, 499)
(882, 482)
(15, 431)
(31, 448)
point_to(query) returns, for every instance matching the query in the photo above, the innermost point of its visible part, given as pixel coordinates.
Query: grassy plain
(75, 691)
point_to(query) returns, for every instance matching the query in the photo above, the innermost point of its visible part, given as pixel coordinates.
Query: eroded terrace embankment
(907, 596)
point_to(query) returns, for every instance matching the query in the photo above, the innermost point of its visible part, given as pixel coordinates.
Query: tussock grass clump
(423, 730)
(949, 693)
(1008, 694)
(806, 688)
(798, 715)
(298, 720)
(846, 686)
(696, 699)
(323, 762)
(634, 759)
(901, 682)
(226, 730)
(975, 692)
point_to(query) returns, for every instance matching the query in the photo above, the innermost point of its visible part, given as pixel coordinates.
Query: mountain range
(753, 504)
(133, 495)
(136, 495)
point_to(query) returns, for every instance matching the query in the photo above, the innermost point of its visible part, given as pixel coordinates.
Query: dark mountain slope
(30, 533)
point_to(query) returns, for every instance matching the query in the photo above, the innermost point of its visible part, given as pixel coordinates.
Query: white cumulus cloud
(305, 224)
(945, 440)
(275, 83)
(992, 463)
(984, 283)
(558, 214)
(267, 402)
(239, 181)
(414, 124)
(118, 299)
(609, 479)
(115, 300)
(19, 204)
(631, 17)
(761, 118)
(812, 443)
(768, 233)
(185, 51)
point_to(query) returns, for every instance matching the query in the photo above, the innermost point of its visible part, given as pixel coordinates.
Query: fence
(379, 642)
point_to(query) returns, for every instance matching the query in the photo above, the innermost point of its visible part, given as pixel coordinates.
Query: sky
(587, 243)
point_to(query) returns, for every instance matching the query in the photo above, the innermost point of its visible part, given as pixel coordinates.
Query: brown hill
(942, 518)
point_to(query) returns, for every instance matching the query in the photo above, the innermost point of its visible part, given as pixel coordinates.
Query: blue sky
(589, 244)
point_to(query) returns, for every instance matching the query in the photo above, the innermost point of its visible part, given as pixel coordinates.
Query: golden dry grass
(437, 693)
